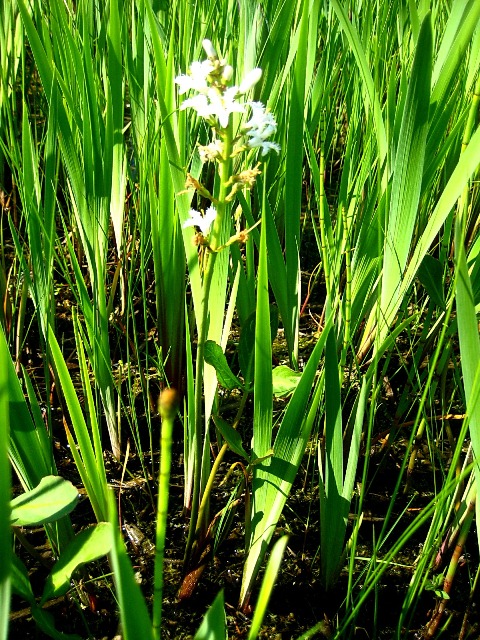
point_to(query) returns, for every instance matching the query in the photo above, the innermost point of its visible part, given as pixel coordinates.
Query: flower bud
(209, 49)
(250, 80)
(168, 403)
(227, 73)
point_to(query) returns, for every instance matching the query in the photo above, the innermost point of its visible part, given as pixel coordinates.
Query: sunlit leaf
(53, 498)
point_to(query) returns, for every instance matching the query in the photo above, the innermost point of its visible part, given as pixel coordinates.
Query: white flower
(264, 145)
(215, 104)
(196, 79)
(203, 222)
(261, 126)
(222, 105)
(250, 80)
(262, 121)
(200, 103)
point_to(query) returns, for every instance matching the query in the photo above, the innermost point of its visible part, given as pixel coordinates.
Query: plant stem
(210, 259)
(215, 468)
(168, 407)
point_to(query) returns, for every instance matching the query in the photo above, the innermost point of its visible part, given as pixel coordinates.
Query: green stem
(213, 473)
(168, 405)
(211, 255)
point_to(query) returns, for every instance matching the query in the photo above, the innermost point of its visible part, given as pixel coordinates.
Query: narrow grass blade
(134, 615)
(89, 458)
(5, 493)
(364, 68)
(469, 349)
(266, 589)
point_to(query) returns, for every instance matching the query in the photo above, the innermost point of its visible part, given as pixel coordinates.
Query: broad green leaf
(88, 545)
(462, 22)
(246, 344)
(30, 449)
(214, 623)
(469, 349)
(331, 469)
(293, 182)
(216, 358)
(53, 498)
(231, 437)
(90, 466)
(263, 397)
(467, 164)
(246, 349)
(285, 380)
(373, 101)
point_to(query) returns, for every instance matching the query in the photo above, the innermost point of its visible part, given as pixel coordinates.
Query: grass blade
(5, 493)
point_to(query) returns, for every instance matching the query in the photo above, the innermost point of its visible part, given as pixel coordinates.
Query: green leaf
(407, 173)
(231, 437)
(430, 274)
(88, 545)
(20, 580)
(53, 498)
(268, 583)
(469, 347)
(275, 477)
(246, 345)
(215, 357)
(257, 461)
(331, 474)
(285, 380)
(5, 494)
(214, 624)
(134, 614)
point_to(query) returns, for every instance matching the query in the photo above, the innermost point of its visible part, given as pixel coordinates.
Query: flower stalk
(216, 100)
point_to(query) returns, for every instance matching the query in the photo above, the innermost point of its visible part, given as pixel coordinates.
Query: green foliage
(51, 499)
(5, 493)
(376, 113)
(88, 545)
(214, 624)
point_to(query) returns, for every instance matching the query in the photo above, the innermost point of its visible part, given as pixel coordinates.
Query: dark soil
(298, 602)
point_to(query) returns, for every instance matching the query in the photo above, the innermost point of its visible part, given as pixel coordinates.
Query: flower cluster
(215, 101)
